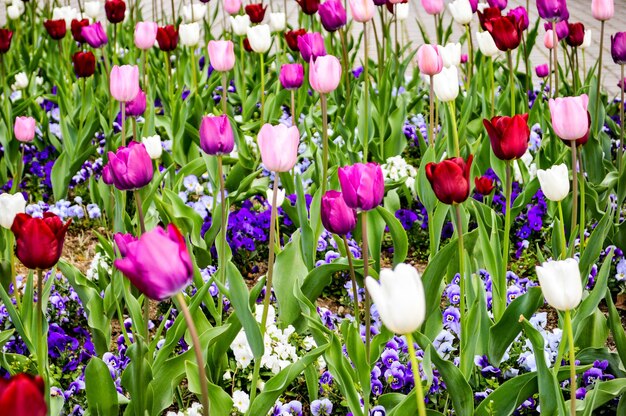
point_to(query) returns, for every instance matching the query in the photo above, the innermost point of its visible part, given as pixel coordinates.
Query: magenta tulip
(216, 135)
(145, 35)
(279, 147)
(429, 60)
(124, 82)
(129, 168)
(337, 217)
(291, 76)
(332, 15)
(553, 10)
(221, 55)
(136, 106)
(542, 71)
(325, 74)
(24, 129)
(94, 35)
(363, 185)
(311, 46)
(569, 116)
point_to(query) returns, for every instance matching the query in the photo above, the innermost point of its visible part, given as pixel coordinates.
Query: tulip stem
(293, 108)
(598, 125)
(198, 351)
(564, 246)
(123, 123)
(133, 121)
(470, 47)
(368, 322)
(463, 306)
(455, 131)
(366, 94)
(344, 55)
(574, 187)
(16, 292)
(555, 47)
(223, 230)
(572, 361)
(243, 68)
(325, 142)
(620, 148)
(500, 298)
(42, 358)
(194, 75)
(493, 87)
(224, 92)
(431, 115)
(355, 290)
(509, 58)
(142, 224)
(419, 392)
(173, 12)
(262, 55)
(582, 201)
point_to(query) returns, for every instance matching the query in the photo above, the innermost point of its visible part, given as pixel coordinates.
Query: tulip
(508, 135)
(576, 34)
(542, 71)
(433, 7)
(130, 167)
(167, 37)
(278, 22)
(552, 10)
(145, 35)
(10, 206)
(500, 4)
(487, 14)
(66, 13)
(280, 198)
(486, 44)
(55, 28)
(561, 283)
(521, 17)
(157, 263)
(137, 106)
(84, 64)
(124, 82)
(232, 6)
(153, 146)
(484, 185)
(216, 135)
(602, 9)
(325, 74)
(450, 179)
(115, 10)
(279, 147)
(24, 129)
(5, 40)
(309, 7)
(240, 24)
(362, 10)
(461, 11)
(15, 10)
(94, 35)
(618, 48)
(402, 11)
(260, 38)
(311, 45)
(332, 15)
(23, 395)
(92, 9)
(194, 13)
(548, 39)
(292, 36)
(586, 39)
(505, 31)
(451, 54)
(363, 185)
(189, 34)
(429, 60)
(256, 12)
(446, 84)
(77, 27)
(581, 141)
(562, 29)
(39, 241)
(399, 298)
(221, 55)
(337, 217)
(291, 76)
(569, 116)
(554, 182)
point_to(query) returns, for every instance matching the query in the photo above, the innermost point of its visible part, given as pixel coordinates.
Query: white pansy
(21, 81)
(241, 401)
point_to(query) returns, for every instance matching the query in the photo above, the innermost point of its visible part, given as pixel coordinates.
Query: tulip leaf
(101, 392)
(615, 324)
(220, 402)
(591, 302)
(289, 270)
(603, 392)
(594, 244)
(398, 235)
(422, 185)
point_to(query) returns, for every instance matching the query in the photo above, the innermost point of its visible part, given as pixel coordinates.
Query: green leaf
(289, 270)
(615, 324)
(220, 402)
(602, 393)
(398, 235)
(101, 392)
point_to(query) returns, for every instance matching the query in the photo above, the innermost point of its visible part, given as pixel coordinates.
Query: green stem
(294, 117)
(574, 187)
(431, 235)
(555, 48)
(493, 87)
(470, 47)
(572, 362)
(620, 149)
(600, 75)
(42, 341)
(455, 131)
(123, 123)
(355, 291)
(198, 351)
(463, 306)
(224, 92)
(582, 201)
(223, 230)
(344, 56)
(431, 115)
(262, 84)
(419, 392)
(368, 322)
(325, 142)
(16, 292)
(500, 301)
(142, 224)
(564, 247)
(366, 96)
(194, 69)
(511, 81)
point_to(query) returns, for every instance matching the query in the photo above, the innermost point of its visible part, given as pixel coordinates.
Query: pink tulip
(433, 6)
(362, 185)
(279, 147)
(548, 39)
(145, 35)
(24, 129)
(158, 263)
(362, 10)
(569, 116)
(221, 55)
(602, 9)
(129, 167)
(232, 6)
(124, 83)
(429, 60)
(216, 135)
(325, 74)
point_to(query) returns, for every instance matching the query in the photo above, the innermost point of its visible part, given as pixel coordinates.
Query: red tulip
(292, 36)
(576, 34)
(115, 10)
(22, 395)
(77, 27)
(256, 12)
(39, 240)
(167, 37)
(309, 7)
(505, 31)
(487, 14)
(84, 64)
(56, 28)
(508, 135)
(5, 40)
(484, 185)
(450, 179)
(246, 45)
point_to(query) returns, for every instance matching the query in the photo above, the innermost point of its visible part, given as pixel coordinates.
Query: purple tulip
(618, 48)
(158, 263)
(94, 35)
(562, 29)
(474, 4)
(521, 17)
(500, 4)
(553, 10)
(291, 76)
(363, 185)
(216, 135)
(542, 71)
(311, 45)
(332, 14)
(136, 106)
(337, 217)
(129, 168)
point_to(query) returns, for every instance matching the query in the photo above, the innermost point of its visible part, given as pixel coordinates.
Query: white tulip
(92, 9)
(15, 10)
(486, 44)
(278, 22)
(10, 206)
(450, 54)
(280, 198)
(21, 81)
(153, 146)
(240, 24)
(554, 182)
(561, 283)
(402, 11)
(446, 84)
(194, 15)
(461, 11)
(586, 39)
(189, 34)
(260, 38)
(66, 13)
(399, 298)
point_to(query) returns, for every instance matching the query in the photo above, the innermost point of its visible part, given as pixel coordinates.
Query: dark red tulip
(22, 395)
(115, 10)
(508, 135)
(309, 7)
(5, 40)
(505, 31)
(484, 185)
(450, 179)
(487, 14)
(292, 36)
(56, 28)
(576, 34)
(256, 12)
(246, 45)
(167, 37)
(77, 28)
(84, 64)
(583, 140)
(39, 241)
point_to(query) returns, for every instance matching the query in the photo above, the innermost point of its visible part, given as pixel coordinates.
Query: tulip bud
(508, 135)
(542, 71)
(461, 11)
(337, 217)
(576, 34)
(278, 22)
(10, 206)
(552, 10)
(483, 185)
(24, 129)
(569, 116)
(446, 84)
(5, 40)
(23, 395)
(332, 15)
(399, 298)
(56, 28)
(554, 182)
(505, 31)
(65, 13)
(486, 44)
(94, 35)
(77, 27)
(562, 29)
(586, 39)
(521, 17)
(232, 7)
(618, 48)
(429, 60)
(291, 76)
(84, 64)
(137, 106)
(279, 147)
(325, 74)
(548, 39)
(15, 10)
(256, 12)
(167, 37)
(124, 82)
(216, 135)
(561, 283)
(433, 7)
(362, 10)
(221, 55)
(450, 54)
(129, 168)
(115, 10)
(39, 241)
(450, 179)
(194, 13)
(92, 9)
(280, 197)
(240, 24)
(145, 35)
(153, 146)
(362, 185)
(292, 36)
(500, 4)
(189, 34)
(602, 9)
(311, 45)
(309, 7)
(260, 38)
(402, 11)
